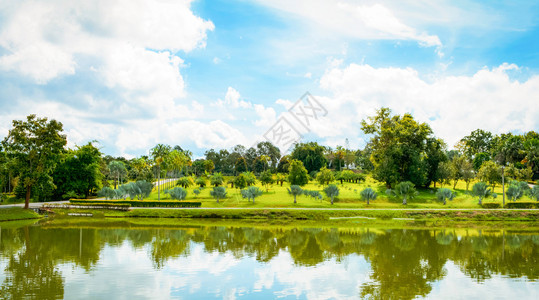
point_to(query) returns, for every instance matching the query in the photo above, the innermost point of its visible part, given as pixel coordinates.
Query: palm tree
(218, 192)
(331, 191)
(444, 194)
(480, 190)
(217, 179)
(404, 190)
(514, 191)
(295, 190)
(158, 153)
(534, 193)
(368, 194)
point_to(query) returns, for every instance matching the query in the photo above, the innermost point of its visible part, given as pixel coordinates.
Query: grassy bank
(335, 215)
(17, 213)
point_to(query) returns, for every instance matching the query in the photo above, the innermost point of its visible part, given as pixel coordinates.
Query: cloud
(348, 18)
(453, 105)
(232, 99)
(267, 115)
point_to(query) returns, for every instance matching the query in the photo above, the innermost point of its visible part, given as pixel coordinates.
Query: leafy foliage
(295, 190)
(177, 193)
(251, 193)
(444, 194)
(404, 190)
(297, 174)
(368, 195)
(325, 176)
(218, 193)
(331, 191)
(481, 190)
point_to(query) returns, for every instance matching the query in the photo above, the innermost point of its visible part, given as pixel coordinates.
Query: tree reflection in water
(404, 263)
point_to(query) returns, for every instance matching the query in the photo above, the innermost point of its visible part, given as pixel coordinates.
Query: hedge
(89, 205)
(491, 205)
(522, 205)
(138, 203)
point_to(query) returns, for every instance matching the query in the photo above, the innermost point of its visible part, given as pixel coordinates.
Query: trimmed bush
(521, 205)
(491, 205)
(138, 203)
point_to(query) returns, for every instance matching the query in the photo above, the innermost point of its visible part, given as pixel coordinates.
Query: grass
(17, 213)
(277, 196)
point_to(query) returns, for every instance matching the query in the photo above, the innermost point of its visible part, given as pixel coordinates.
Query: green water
(199, 262)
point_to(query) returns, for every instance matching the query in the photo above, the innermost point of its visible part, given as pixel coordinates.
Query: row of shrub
(523, 205)
(139, 203)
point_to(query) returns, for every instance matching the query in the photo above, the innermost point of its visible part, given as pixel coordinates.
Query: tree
(443, 173)
(200, 181)
(159, 153)
(480, 159)
(398, 147)
(209, 165)
(457, 163)
(78, 172)
(295, 190)
(404, 190)
(368, 195)
(325, 176)
(266, 178)
(240, 165)
(270, 151)
(217, 179)
(240, 182)
(251, 193)
(141, 189)
(534, 193)
(444, 194)
(478, 141)
(297, 174)
(467, 173)
(516, 190)
(186, 182)
(280, 178)
(480, 190)
(218, 192)
(34, 145)
(250, 178)
(331, 191)
(177, 193)
(117, 171)
(310, 154)
(196, 192)
(490, 172)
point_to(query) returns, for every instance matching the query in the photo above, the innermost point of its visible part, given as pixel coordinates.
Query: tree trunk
(294, 199)
(281, 183)
(404, 202)
(331, 200)
(455, 183)
(480, 201)
(27, 198)
(158, 183)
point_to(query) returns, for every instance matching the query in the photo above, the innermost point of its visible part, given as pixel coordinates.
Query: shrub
(521, 205)
(491, 205)
(177, 193)
(139, 203)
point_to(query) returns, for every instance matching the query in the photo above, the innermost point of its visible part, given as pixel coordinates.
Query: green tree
(218, 193)
(468, 173)
(404, 190)
(177, 193)
(251, 193)
(443, 173)
(295, 190)
(480, 159)
(331, 191)
(266, 178)
(444, 194)
(534, 193)
(280, 178)
(186, 182)
(217, 179)
(398, 147)
(368, 195)
(35, 146)
(310, 154)
(478, 141)
(159, 154)
(490, 172)
(297, 174)
(481, 191)
(325, 176)
(250, 178)
(516, 190)
(240, 182)
(117, 170)
(240, 165)
(200, 181)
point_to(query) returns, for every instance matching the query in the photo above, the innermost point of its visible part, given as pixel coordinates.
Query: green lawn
(277, 196)
(17, 213)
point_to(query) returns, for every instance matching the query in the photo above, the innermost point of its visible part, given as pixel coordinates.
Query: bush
(138, 203)
(521, 205)
(491, 205)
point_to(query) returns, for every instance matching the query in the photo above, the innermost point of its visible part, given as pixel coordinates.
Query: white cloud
(233, 100)
(452, 105)
(349, 18)
(267, 115)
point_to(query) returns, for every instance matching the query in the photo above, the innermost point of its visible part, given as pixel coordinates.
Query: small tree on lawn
(177, 193)
(217, 179)
(514, 191)
(481, 190)
(218, 192)
(325, 176)
(280, 178)
(444, 194)
(240, 182)
(331, 191)
(404, 190)
(196, 192)
(534, 193)
(368, 195)
(201, 181)
(266, 178)
(297, 174)
(251, 193)
(295, 190)
(185, 182)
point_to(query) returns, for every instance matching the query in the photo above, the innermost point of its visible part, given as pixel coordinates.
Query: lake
(121, 260)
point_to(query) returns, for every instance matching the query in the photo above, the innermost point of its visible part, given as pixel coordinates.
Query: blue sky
(213, 74)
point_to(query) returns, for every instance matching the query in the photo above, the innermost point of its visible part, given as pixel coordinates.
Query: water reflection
(400, 263)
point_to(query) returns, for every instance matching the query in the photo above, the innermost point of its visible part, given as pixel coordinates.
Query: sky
(130, 74)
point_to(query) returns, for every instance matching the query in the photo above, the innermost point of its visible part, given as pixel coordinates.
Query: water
(52, 261)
